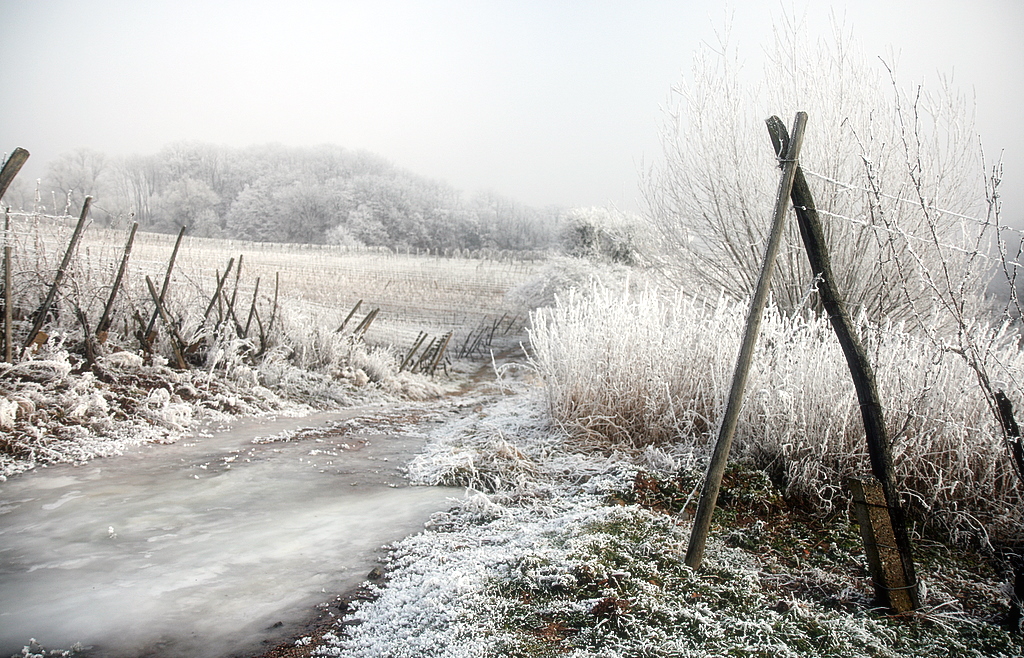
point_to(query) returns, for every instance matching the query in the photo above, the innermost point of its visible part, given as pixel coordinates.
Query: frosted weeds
(54, 409)
(639, 368)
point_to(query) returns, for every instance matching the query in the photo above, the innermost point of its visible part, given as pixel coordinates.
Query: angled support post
(720, 457)
(861, 372)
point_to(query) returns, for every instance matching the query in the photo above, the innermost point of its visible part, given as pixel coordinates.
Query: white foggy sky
(546, 101)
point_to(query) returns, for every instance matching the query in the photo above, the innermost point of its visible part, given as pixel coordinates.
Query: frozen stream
(200, 548)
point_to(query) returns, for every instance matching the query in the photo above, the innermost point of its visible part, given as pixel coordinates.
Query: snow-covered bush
(638, 369)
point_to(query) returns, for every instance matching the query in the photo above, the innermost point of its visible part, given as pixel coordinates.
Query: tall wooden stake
(863, 376)
(252, 308)
(8, 348)
(52, 294)
(716, 469)
(104, 323)
(216, 292)
(167, 282)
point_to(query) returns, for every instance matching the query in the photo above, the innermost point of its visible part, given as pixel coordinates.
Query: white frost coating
(8, 413)
(125, 361)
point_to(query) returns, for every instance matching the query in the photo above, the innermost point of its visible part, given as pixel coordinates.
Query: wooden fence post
(177, 344)
(11, 167)
(167, 282)
(8, 318)
(861, 372)
(52, 294)
(104, 323)
(716, 468)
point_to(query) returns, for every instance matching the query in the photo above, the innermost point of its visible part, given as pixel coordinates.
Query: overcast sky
(545, 101)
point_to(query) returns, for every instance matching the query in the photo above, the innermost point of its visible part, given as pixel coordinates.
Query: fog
(544, 102)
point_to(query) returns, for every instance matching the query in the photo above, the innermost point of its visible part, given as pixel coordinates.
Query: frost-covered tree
(188, 202)
(880, 159)
(74, 175)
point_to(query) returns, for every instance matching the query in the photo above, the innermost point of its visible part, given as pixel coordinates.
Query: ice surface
(200, 548)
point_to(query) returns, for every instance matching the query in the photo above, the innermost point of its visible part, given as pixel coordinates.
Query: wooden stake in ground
(216, 292)
(104, 323)
(252, 308)
(8, 348)
(876, 531)
(440, 353)
(11, 168)
(177, 344)
(861, 372)
(167, 282)
(349, 316)
(716, 469)
(52, 294)
(420, 337)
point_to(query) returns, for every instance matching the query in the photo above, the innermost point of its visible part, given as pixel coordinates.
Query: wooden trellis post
(894, 576)
(44, 308)
(863, 376)
(716, 469)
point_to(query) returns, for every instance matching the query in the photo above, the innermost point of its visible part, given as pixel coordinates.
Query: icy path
(200, 548)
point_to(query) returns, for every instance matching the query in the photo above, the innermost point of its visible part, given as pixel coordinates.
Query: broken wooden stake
(884, 560)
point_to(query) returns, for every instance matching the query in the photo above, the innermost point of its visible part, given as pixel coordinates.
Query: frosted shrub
(639, 369)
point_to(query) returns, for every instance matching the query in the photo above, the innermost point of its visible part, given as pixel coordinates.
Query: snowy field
(285, 348)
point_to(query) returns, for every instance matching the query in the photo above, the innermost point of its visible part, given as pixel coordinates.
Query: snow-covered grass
(634, 368)
(579, 552)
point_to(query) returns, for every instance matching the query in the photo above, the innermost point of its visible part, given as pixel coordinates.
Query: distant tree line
(273, 193)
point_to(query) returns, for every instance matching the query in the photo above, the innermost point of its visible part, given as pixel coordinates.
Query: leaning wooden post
(252, 308)
(11, 167)
(273, 308)
(8, 348)
(216, 292)
(863, 375)
(234, 293)
(52, 294)
(716, 469)
(1011, 431)
(104, 323)
(415, 346)
(177, 344)
(440, 352)
(349, 316)
(167, 282)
